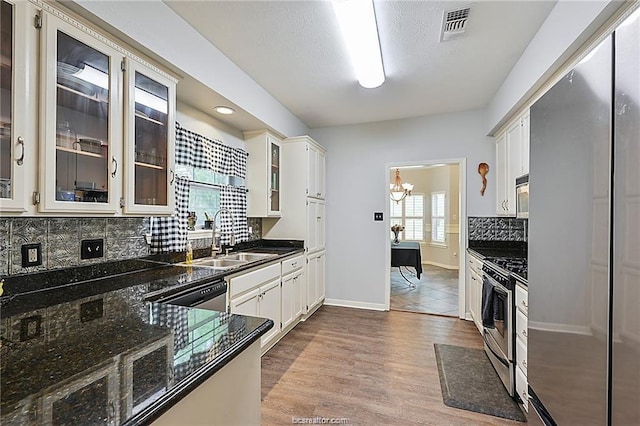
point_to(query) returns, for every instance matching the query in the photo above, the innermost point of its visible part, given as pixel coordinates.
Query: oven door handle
(498, 356)
(500, 291)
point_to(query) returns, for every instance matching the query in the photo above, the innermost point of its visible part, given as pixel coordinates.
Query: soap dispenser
(189, 259)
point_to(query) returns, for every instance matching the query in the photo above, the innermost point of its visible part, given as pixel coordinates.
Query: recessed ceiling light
(224, 110)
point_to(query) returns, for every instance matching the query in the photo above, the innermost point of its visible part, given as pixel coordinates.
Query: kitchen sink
(248, 257)
(223, 262)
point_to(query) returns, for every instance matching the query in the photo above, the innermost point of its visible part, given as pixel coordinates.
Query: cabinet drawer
(521, 388)
(521, 354)
(475, 264)
(522, 299)
(253, 279)
(292, 264)
(521, 326)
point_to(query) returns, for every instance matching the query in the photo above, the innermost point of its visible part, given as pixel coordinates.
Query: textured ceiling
(293, 49)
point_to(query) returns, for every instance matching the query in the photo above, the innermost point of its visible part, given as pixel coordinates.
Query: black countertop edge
(485, 252)
(176, 394)
(32, 283)
(520, 279)
(221, 274)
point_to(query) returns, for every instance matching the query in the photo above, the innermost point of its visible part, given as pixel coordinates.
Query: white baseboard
(561, 328)
(354, 304)
(441, 265)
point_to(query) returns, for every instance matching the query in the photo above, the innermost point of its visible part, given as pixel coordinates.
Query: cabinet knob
(524, 363)
(524, 333)
(173, 177)
(525, 304)
(20, 159)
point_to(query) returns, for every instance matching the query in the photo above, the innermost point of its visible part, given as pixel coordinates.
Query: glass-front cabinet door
(82, 125)
(16, 145)
(274, 187)
(150, 132)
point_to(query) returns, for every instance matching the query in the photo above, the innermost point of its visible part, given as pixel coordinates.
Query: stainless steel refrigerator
(584, 240)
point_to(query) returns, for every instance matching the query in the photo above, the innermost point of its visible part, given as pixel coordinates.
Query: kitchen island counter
(99, 351)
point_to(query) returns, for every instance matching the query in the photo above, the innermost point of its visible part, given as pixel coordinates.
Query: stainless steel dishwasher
(211, 295)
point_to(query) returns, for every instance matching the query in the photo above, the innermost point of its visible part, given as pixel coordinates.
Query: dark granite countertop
(68, 345)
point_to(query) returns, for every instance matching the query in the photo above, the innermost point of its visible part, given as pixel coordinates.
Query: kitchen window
(410, 214)
(437, 218)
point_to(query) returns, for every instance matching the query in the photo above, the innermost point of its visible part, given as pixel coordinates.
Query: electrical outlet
(31, 255)
(30, 327)
(90, 311)
(377, 216)
(91, 249)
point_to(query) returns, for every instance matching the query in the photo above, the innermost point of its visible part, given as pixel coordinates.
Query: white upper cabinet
(512, 161)
(263, 174)
(150, 131)
(78, 135)
(18, 151)
(81, 128)
(315, 171)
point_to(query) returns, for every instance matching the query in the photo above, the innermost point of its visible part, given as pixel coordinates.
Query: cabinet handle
(524, 333)
(115, 167)
(294, 264)
(524, 363)
(473, 278)
(20, 160)
(506, 203)
(525, 304)
(173, 177)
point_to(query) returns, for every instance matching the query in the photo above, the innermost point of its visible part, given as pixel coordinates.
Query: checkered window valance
(169, 234)
(195, 150)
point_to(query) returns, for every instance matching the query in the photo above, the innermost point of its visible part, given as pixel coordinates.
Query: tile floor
(436, 292)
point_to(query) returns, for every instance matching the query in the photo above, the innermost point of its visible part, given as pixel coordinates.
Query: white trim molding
(441, 265)
(354, 304)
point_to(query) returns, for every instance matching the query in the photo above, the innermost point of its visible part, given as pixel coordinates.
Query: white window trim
(404, 217)
(438, 244)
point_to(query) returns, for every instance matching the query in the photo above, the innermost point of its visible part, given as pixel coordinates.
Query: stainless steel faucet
(216, 234)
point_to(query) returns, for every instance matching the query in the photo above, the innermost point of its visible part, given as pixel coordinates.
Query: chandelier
(399, 190)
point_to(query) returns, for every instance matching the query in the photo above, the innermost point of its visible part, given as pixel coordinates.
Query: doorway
(430, 235)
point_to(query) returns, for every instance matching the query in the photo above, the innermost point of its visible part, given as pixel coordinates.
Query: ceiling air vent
(454, 23)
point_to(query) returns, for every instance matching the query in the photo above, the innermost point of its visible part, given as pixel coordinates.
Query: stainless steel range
(498, 315)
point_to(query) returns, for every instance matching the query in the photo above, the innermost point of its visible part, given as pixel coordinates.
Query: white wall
(568, 26)
(199, 122)
(426, 181)
(357, 158)
(158, 28)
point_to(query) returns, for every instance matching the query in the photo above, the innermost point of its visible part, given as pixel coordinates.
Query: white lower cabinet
(474, 278)
(264, 302)
(275, 291)
(292, 287)
(315, 280)
(522, 306)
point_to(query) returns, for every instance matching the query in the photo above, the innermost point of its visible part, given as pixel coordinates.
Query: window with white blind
(410, 214)
(437, 217)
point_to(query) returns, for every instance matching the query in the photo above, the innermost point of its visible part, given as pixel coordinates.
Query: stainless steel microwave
(522, 197)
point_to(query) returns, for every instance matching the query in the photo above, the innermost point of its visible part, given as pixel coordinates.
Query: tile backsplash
(497, 229)
(124, 238)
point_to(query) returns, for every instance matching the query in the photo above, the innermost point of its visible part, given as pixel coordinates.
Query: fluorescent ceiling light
(93, 76)
(101, 79)
(224, 110)
(152, 101)
(357, 21)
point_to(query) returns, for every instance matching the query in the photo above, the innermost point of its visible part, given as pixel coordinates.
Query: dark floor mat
(469, 382)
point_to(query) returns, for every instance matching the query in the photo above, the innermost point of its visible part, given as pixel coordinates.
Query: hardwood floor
(368, 367)
(436, 292)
